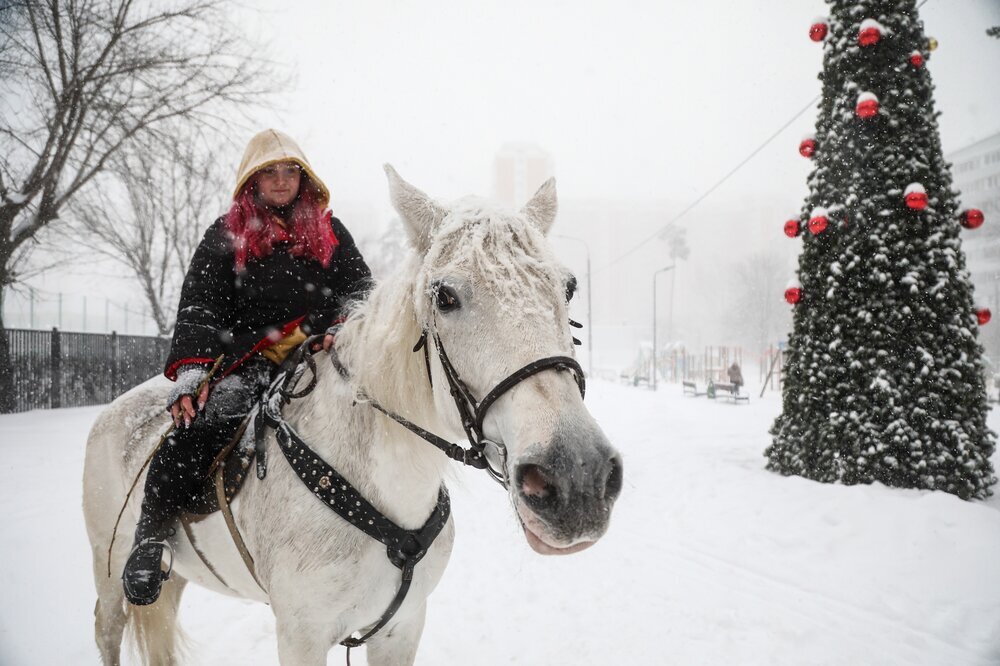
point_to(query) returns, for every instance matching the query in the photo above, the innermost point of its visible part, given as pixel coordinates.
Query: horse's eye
(570, 288)
(447, 299)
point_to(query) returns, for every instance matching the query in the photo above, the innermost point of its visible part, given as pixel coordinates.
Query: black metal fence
(58, 369)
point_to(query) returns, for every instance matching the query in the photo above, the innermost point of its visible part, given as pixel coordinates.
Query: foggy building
(518, 170)
(976, 171)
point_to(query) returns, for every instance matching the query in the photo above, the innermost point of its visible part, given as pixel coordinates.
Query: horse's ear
(543, 206)
(421, 215)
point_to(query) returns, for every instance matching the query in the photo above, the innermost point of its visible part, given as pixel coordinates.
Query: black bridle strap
(460, 393)
(468, 457)
(515, 378)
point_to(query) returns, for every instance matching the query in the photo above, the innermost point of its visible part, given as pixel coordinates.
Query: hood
(270, 147)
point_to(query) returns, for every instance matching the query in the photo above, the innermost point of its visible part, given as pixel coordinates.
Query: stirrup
(146, 590)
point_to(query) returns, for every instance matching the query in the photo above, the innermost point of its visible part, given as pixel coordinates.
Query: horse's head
(492, 295)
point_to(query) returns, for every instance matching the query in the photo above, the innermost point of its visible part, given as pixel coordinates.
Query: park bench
(692, 388)
(728, 391)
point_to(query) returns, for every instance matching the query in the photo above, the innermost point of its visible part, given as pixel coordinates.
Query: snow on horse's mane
(497, 249)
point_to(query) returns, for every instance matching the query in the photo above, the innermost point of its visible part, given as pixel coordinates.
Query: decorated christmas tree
(885, 376)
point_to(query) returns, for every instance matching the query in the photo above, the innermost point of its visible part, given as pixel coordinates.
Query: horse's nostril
(613, 484)
(536, 484)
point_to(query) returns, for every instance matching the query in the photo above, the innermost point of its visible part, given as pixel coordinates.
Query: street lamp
(662, 270)
(590, 311)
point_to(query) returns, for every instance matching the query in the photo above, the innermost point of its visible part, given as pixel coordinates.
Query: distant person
(735, 377)
(274, 269)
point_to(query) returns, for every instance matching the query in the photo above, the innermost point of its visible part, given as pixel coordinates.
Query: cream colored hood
(270, 147)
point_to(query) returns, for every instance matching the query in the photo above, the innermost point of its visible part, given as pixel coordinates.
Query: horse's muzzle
(565, 491)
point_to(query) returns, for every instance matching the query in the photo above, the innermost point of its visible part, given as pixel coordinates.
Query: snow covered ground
(709, 560)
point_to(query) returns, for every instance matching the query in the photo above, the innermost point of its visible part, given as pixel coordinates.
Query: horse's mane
(496, 248)
(376, 344)
(501, 250)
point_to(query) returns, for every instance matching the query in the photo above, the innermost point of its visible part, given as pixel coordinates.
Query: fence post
(114, 366)
(55, 360)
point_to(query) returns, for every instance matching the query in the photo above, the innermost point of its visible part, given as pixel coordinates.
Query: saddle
(233, 461)
(247, 444)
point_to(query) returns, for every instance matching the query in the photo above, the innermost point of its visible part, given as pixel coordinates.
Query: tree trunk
(6, 368)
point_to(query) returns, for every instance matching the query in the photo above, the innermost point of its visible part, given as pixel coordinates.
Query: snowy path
(710, 560)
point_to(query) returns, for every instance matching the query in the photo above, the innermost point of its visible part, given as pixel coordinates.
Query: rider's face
(278, 184)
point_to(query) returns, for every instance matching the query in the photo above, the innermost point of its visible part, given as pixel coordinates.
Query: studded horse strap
(403, 547)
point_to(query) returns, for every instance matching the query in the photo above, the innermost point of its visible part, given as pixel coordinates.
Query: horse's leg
(109, 613)
(398, 645)
(302, 644)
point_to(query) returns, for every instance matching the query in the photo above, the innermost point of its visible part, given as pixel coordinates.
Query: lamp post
(590, 303)
(662, 270)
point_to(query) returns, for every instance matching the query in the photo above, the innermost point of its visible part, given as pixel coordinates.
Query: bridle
(473, 412)
(405, 548)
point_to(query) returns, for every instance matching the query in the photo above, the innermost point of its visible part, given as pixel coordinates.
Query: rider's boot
(143, 575)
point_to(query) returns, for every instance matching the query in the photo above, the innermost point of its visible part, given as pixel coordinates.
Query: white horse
(484, 284)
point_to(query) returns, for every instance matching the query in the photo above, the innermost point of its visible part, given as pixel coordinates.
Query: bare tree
(676, 238)
(84, 79)
(756, 311)
(387, 250)
(150, 211)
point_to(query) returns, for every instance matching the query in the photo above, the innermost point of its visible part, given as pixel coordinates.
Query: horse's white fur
(324, 578)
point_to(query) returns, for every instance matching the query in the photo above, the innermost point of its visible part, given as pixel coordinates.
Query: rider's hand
(325, 345)
(184, 407)
(190, 389)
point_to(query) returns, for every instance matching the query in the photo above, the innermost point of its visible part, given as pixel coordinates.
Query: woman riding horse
(277, 267)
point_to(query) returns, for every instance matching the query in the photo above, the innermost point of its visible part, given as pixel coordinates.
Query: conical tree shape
(885, 375)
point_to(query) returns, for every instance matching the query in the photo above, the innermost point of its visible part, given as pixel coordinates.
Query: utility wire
(714, 187)
(722, 180)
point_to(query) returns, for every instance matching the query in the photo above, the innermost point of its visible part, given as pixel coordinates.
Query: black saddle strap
(397, 601)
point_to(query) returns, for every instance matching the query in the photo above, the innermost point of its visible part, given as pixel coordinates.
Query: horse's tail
(152, 630)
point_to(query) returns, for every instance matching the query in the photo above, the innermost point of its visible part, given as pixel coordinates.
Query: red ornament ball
(917, 59)
(792, 228)
(818, 221)
(870, 33)
(808, 147)
(817, 31)
(793, 295)
(972, 218)
(867, 106)
(983, 316)
(915, 196)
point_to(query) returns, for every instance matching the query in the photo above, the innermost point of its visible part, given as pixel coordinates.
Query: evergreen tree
(885, 378)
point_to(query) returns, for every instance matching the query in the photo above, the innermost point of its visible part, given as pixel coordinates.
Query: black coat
(225, 312)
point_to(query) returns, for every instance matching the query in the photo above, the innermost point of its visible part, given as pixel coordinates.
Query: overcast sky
(635, 101)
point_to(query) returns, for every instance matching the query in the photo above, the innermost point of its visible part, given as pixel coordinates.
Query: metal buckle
(170, 564)
(500, 451)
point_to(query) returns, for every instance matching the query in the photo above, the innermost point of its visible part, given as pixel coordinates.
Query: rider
(277, 267)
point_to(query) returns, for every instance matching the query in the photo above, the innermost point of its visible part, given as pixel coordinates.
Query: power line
(722, 180)
(714, 187)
